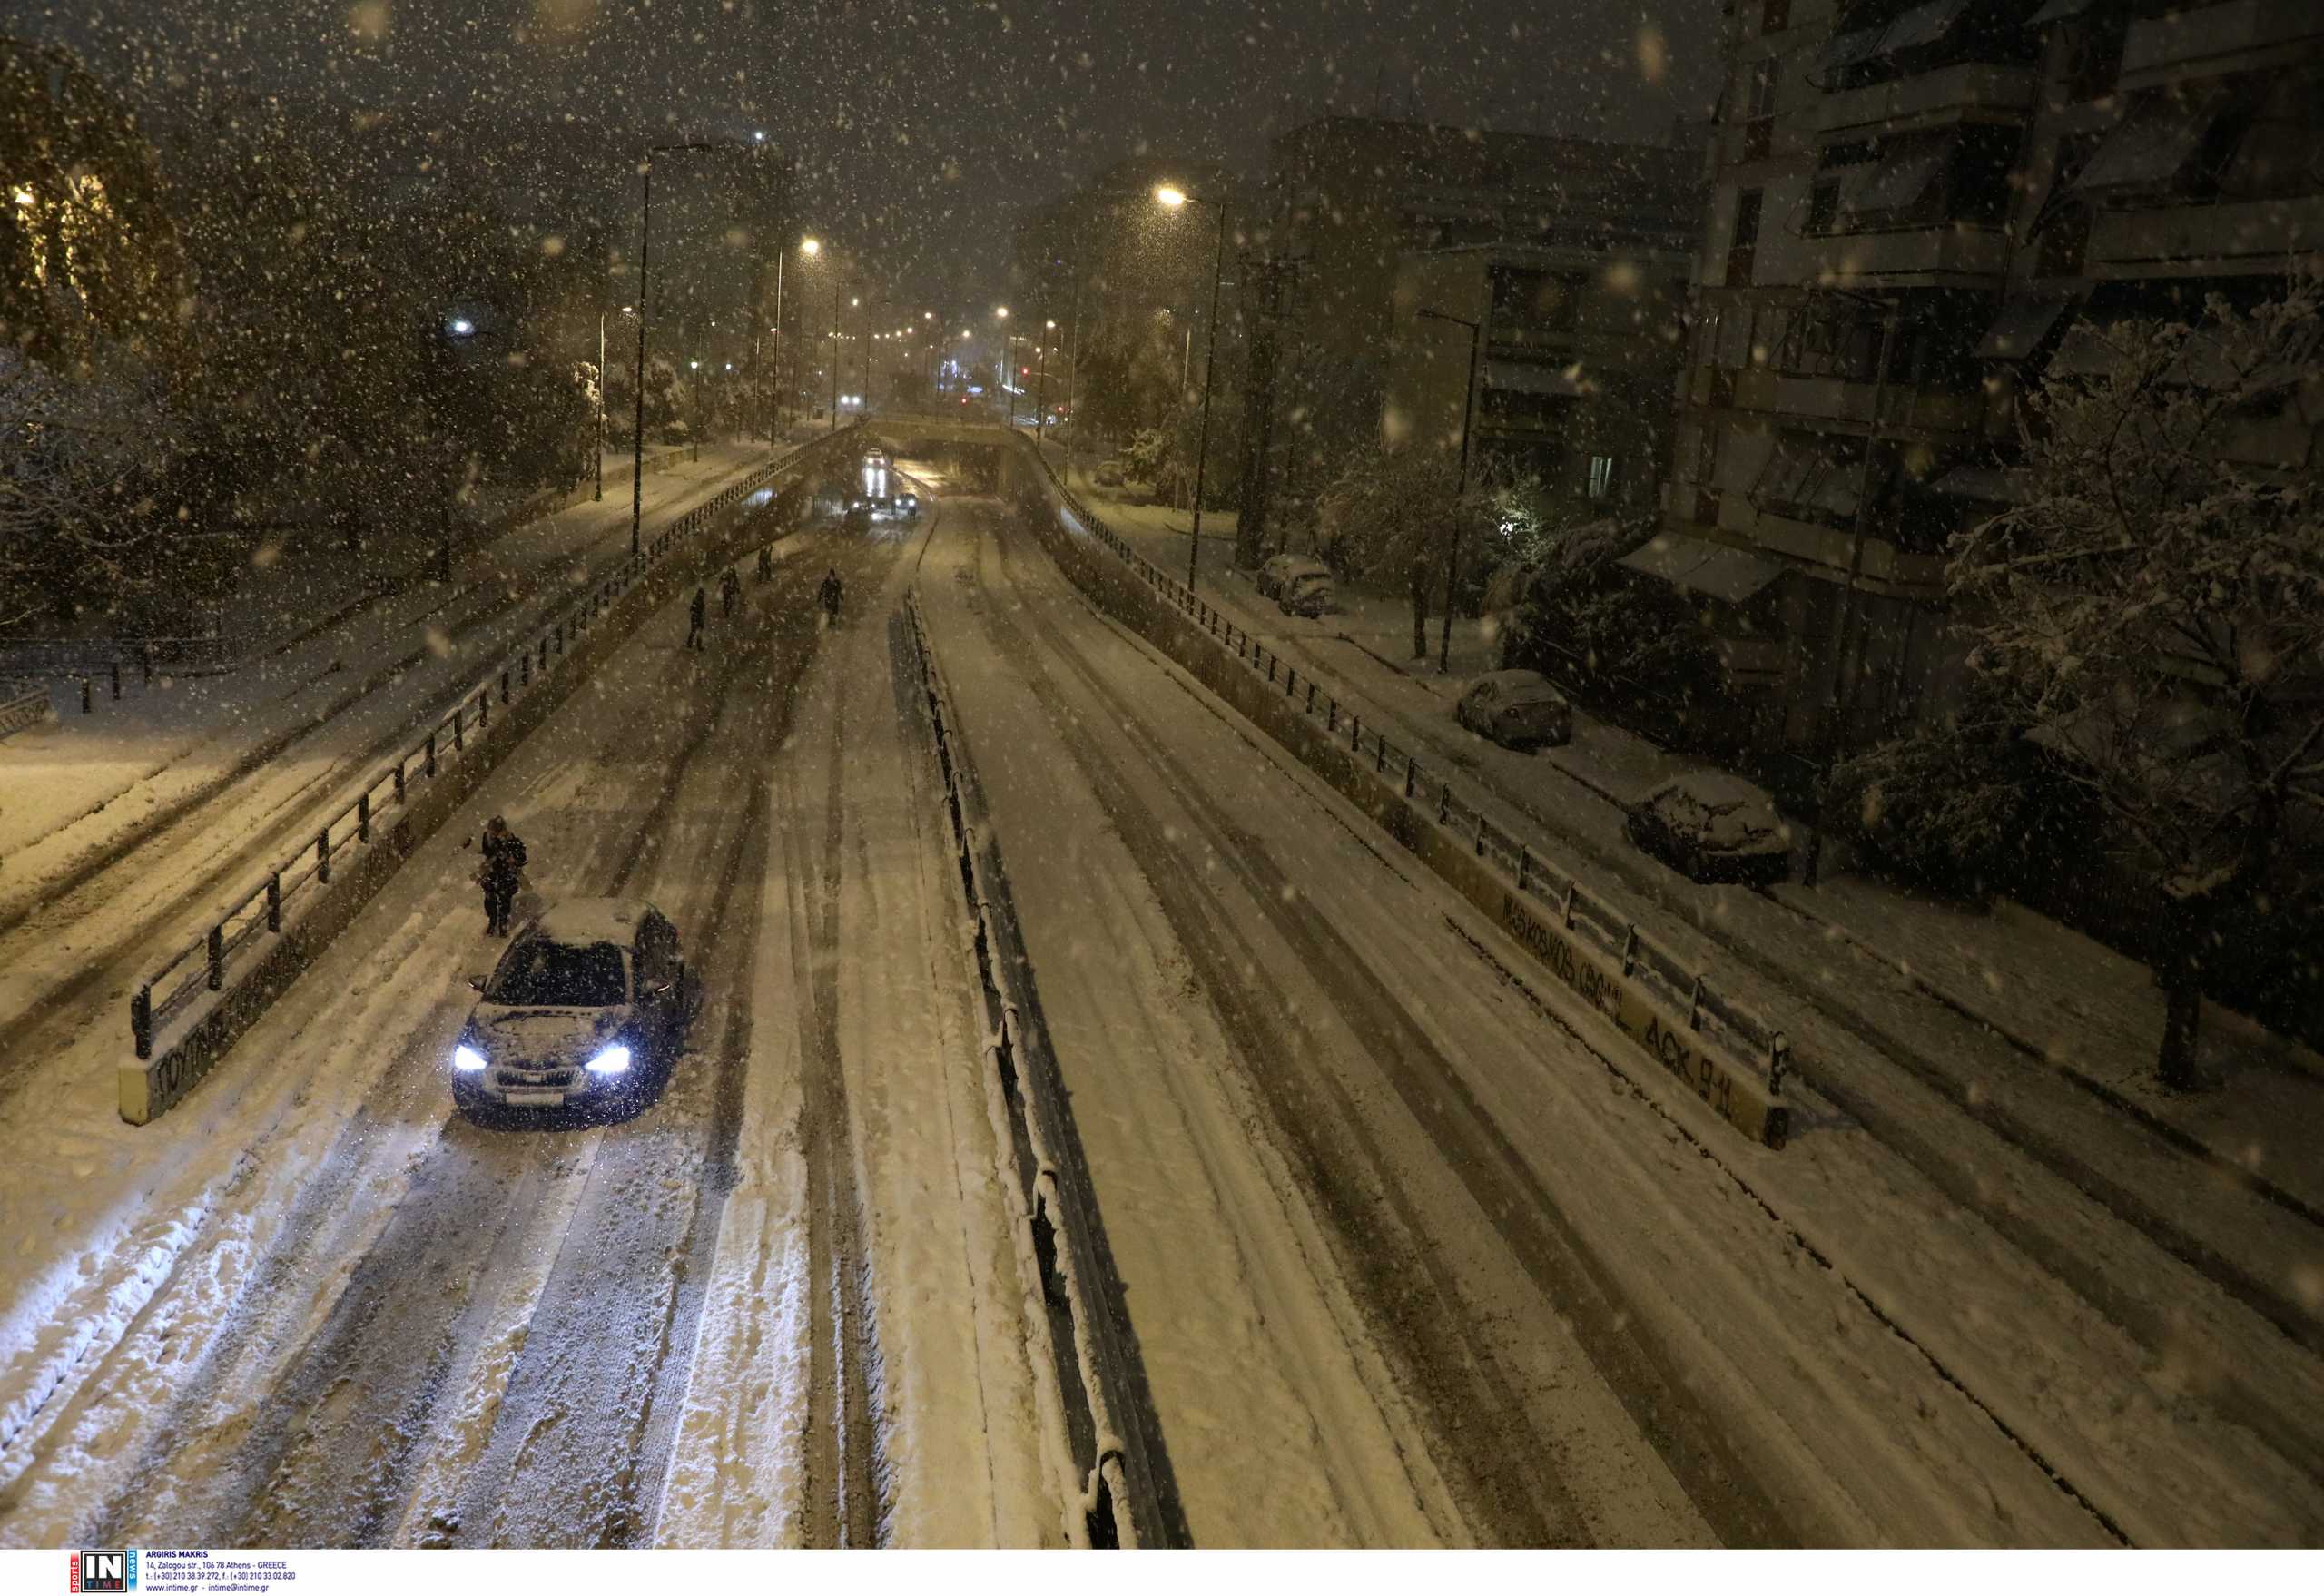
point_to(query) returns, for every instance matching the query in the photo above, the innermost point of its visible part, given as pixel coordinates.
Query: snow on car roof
(1713, 788)
(593, 920)
(1532, 683)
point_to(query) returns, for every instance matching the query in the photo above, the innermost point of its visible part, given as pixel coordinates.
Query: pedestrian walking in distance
(830, 594)
(730, 588)
(501, 873)
(766, 564)
(695, 613)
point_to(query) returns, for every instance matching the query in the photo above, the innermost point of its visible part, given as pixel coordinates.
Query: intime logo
(105, 1570)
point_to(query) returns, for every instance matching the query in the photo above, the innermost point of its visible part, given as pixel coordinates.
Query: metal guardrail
(25, 709)
(203, 964)
(93, 657)
(1684, 987)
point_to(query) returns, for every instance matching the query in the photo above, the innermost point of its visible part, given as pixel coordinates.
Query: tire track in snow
(1480, 1395)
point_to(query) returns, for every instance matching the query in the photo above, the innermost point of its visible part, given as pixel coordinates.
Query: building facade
(1913, 206)
(1355, 196)
(1576, 350)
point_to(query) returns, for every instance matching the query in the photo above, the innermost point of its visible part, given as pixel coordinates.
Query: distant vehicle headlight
(614, 1061)
(466, 1059)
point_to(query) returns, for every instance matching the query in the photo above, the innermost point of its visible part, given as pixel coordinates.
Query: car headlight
(466, 1059)
(612, 1061)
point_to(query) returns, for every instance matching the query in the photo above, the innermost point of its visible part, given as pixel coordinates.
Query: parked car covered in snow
(1517, 709)
(1713, 827)
(1300, 585)
(590, 998)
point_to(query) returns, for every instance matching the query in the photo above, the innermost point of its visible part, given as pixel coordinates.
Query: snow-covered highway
(1404, 1257)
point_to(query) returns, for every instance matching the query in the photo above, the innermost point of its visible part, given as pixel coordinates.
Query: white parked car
(1299, 584)
(588, 999)
(1710, 826)
(1517, 709)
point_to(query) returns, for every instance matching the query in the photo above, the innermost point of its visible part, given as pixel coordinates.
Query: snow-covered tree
(2155, 611)
(1394, 515)
(89, 468)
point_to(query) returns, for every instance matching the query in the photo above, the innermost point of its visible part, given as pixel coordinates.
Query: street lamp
(695, 432)
(644, 307)
(1172, 199)
(1001, 370)
(1041, 386)
(1453, 544)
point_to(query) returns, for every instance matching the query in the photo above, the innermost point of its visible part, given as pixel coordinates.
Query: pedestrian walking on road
(500, 874)
(766, 564)
(695, 613)
(730, 588)
(830, 594)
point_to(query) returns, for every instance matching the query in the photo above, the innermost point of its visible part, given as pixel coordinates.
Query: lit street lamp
(1171, 199)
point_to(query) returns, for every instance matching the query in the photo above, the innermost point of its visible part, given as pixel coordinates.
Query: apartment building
(1915, 207)
(1576, 353)
(1355, 197)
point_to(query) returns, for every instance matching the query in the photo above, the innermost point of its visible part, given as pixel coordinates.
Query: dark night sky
(921, 123)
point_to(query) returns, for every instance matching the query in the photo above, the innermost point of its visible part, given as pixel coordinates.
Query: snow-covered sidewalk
(78, 787)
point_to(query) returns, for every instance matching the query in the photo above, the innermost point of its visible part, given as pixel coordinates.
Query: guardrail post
(363, 816)
(1355, 734)
(399, 783)
(1778, 1063)
(1566, 909)
(1331, 713)
(429, 757)
(141, 1020)
(1481, 833)
(85, 695)
(116, 681)
(525, 669)
(1271, 663)
(1380, 765)
(544, 651)
(1311, 696)
(1630, 947)
(504, 686)
(1695, 1004)
(458, 712)
(1524, 864)
(322, 856)
(275, 900)
(1411, 772)
(484, 709)
(145, 662)
(1443, 803)
(214, 946)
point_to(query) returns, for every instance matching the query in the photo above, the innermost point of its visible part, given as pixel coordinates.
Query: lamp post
(644, 309)
(1453, 544)
(1041, 386)
(1172, 199)
(1001, 369)
(694, 433)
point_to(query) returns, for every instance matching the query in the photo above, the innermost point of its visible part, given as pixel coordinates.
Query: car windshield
(557, 975)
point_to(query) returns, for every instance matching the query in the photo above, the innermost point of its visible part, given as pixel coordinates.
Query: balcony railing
(2157, 47)
(1931, 98)
(1943, 251)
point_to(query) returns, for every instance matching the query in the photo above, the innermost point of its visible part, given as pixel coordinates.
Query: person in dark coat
(503, 869)
(830, 594)
(695, 613)
(730, 588)
(766, 564)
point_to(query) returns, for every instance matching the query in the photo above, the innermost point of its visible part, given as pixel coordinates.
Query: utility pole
(1268, 282)
(1452, 543)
